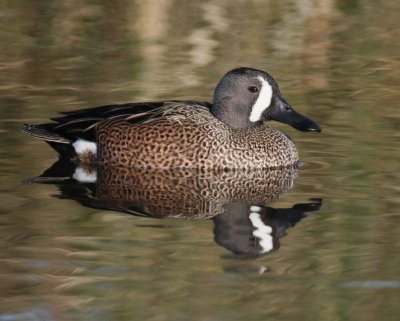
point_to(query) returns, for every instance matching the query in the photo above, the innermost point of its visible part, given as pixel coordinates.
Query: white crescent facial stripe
(255, 208)
(262, 232)
(263, 101)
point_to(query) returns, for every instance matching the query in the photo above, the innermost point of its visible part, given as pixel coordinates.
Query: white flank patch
(262, 232)
(263, 101)
(83, 176)
(82, 146)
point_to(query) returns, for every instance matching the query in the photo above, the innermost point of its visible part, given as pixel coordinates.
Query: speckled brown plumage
(189, 193)
(187, 136)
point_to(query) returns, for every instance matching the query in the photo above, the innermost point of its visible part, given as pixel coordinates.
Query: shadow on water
(236, 200)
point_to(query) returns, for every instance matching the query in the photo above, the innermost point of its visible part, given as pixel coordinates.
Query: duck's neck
(231, 113)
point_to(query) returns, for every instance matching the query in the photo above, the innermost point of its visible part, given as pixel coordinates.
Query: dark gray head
(246, 97)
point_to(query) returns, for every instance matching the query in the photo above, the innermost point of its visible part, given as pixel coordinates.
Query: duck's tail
(63, 146)
(44, 133)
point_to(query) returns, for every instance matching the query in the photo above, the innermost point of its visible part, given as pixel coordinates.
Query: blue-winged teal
(228, 133)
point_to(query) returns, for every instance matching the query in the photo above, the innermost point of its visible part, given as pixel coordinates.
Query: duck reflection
(236, 200)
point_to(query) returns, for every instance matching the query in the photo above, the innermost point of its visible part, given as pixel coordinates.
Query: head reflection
(249, 231)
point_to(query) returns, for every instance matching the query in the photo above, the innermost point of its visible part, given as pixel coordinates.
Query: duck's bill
(281, 111)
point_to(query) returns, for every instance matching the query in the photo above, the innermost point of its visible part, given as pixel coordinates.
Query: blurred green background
(336, 61)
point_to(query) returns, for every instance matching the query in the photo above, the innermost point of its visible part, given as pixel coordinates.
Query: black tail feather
(60, 144)
(41, 132)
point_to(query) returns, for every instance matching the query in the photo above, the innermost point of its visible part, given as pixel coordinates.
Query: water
(337, 62)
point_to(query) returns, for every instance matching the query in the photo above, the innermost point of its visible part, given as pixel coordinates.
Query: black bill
(281, 111)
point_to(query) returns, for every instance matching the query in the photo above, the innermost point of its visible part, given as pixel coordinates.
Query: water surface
(335, 257)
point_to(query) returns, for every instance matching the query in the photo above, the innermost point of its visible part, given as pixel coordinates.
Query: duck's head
(246, 97)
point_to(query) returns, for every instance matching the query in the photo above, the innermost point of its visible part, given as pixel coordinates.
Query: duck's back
(188, 135)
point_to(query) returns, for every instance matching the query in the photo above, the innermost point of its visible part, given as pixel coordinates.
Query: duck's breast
(257, 147)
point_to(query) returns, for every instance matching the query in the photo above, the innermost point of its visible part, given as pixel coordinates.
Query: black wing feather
(81, 123)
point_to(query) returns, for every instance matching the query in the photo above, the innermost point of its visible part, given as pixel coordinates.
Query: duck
(230, 132)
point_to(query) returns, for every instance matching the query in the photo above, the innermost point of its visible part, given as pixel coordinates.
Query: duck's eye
(253, 89)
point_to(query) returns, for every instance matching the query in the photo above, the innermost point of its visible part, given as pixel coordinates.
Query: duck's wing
(81, 124)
